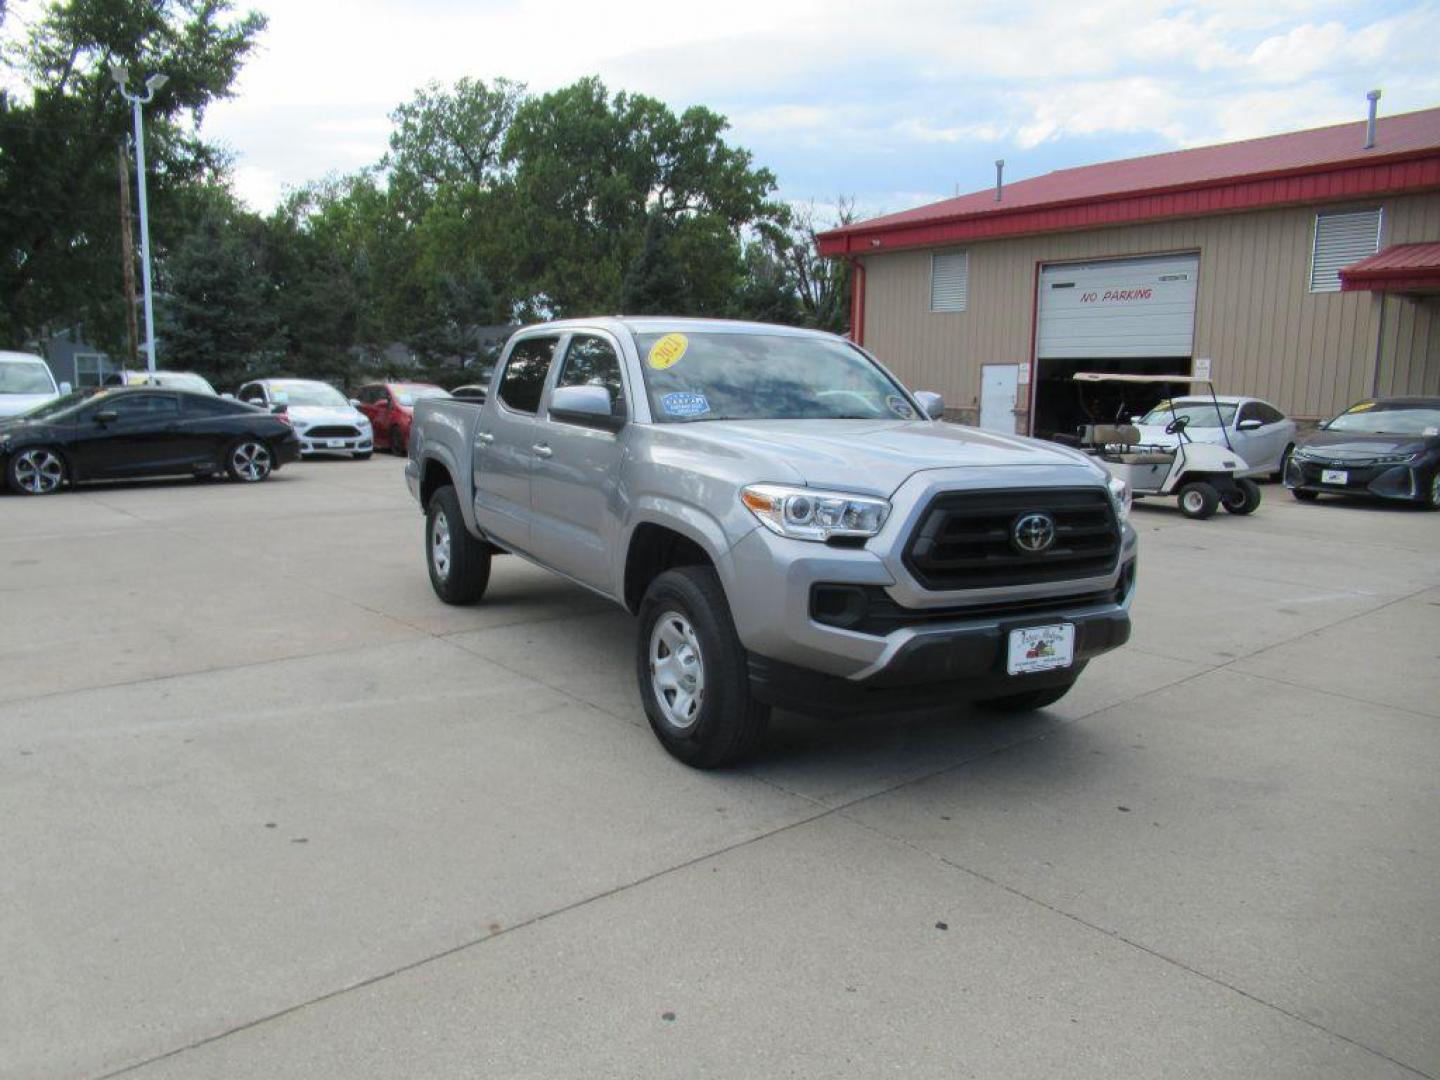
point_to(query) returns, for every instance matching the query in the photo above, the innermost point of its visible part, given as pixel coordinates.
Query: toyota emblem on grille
(1033, 533)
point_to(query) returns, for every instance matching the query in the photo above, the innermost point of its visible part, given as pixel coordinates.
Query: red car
(390, 407)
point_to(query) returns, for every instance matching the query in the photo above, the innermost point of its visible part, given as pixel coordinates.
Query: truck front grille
(965, 539)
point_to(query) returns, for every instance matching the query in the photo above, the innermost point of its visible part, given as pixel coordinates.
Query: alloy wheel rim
(677, 670)
(39, 471)
(440, 545)
(251, 461)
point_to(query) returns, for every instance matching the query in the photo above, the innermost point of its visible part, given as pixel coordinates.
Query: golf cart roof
(1102, 376)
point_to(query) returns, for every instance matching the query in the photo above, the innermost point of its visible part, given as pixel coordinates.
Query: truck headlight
(806, 514)
(1121, 497)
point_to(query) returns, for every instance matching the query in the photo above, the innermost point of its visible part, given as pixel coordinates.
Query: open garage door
(1135, 315)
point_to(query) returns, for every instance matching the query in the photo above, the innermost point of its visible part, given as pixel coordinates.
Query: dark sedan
(141, 431)
(1384, 448)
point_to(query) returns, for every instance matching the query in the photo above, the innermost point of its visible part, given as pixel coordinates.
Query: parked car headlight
(1398, 459)
(1121, 497)
(805, 514)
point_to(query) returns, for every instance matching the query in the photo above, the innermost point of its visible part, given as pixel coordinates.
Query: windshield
(764, 377)
(59, 405)
(1377, 418)
(184, 380)
(296, 392)
(408, 395)
(21, 377)
(1200, 413)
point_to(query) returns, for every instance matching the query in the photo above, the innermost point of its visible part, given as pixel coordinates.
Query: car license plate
(334, 442)
(1334, 476)
(1040, 648)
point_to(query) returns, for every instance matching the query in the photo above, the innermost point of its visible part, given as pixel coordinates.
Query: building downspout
(1379, 347)
(857, 301)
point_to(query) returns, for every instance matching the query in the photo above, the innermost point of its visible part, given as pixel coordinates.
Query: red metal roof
(1398, 268)
(1302, 166)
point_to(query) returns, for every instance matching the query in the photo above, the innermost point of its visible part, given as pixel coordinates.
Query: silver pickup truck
(787, 521)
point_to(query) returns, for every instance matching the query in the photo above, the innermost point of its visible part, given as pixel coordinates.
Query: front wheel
(1244, 499)
(1199, 500)
(1302, 495)
(1284, 464)
(692, 671)
(1433, 502)
(397, 442)
(459, 564)
(37, 471)
(249, 461)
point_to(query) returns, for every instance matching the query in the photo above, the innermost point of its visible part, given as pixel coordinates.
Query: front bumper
(364, 444)
(1402, 483)
(911, 644)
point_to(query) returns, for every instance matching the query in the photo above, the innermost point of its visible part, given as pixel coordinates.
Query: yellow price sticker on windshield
(666, 352)
(1364, 406)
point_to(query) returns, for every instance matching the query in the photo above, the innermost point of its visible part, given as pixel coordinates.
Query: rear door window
(524, 380)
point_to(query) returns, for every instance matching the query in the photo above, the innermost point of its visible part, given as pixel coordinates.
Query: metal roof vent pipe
(999, 177)
(1374, 98)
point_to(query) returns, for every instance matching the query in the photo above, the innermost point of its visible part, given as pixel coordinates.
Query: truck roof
(649, 324)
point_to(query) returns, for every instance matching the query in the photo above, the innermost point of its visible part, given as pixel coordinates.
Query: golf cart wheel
(1199, 500)
(1304, 496)
(1244, 499)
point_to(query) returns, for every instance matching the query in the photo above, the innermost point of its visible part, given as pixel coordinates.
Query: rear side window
(140, 406)
(253, 394)
(198, 405)
(1268, 414)
(591, 361)
(524, 380)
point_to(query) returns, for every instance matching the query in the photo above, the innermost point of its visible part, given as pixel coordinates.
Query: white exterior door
(1118, 308)
(998, 386)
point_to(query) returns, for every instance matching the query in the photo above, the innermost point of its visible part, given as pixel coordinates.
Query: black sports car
(141, 431)
(1384, 448)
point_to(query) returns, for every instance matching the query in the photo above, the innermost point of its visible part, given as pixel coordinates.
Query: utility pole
(127, 255)
(121, 74)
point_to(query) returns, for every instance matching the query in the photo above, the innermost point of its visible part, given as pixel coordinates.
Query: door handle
(541, 450)
(484, 437)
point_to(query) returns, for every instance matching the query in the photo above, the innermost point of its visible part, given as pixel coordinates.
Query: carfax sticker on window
(685, 403)
(900, 407)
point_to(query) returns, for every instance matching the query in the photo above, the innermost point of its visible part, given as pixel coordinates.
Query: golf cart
(1203, 475)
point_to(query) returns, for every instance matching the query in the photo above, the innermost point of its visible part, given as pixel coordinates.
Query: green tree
(58, 138)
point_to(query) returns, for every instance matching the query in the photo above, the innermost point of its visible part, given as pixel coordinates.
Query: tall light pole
(121, 74)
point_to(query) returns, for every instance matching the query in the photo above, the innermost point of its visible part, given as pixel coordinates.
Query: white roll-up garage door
(1118, 308)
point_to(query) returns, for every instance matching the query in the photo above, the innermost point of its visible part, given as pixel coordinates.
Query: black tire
(1199, 500)
(1304, 496)
(363, 455)
(36, 470)
(1244, 499)
(249, 460)
(397, 442)
(1279, 477)
(1030, 700)
(461, 575)
(726, 722)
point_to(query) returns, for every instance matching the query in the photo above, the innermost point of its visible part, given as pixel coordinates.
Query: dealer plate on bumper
(1334, 476)
(1041, 648)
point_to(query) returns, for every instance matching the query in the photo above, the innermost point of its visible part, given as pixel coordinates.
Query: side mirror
(282, 407)
(354, 403)
(106, 416)
(1248, 425)
(586, 405)
(66, 388)
(1136, 420)
(931, 403)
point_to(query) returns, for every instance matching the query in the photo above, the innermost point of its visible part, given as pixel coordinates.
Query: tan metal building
(1302, 268)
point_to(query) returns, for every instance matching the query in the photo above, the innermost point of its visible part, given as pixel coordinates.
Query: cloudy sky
(894, 102)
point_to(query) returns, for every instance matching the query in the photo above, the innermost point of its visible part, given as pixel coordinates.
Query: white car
(1256, 430)
(325, 421)
(25, 383)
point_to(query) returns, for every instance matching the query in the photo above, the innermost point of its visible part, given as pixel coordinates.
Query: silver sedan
(1259, 432)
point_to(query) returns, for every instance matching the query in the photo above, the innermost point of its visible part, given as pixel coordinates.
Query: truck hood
(15, 404)
(866, 456)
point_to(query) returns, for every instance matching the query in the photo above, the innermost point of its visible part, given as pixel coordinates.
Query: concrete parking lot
(269, 809)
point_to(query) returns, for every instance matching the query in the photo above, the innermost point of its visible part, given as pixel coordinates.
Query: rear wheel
(37, 471)
(1304, 496)
(249, 461)
(1198, 500)
(692, 671)
(1244, 498)
(459, 564)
